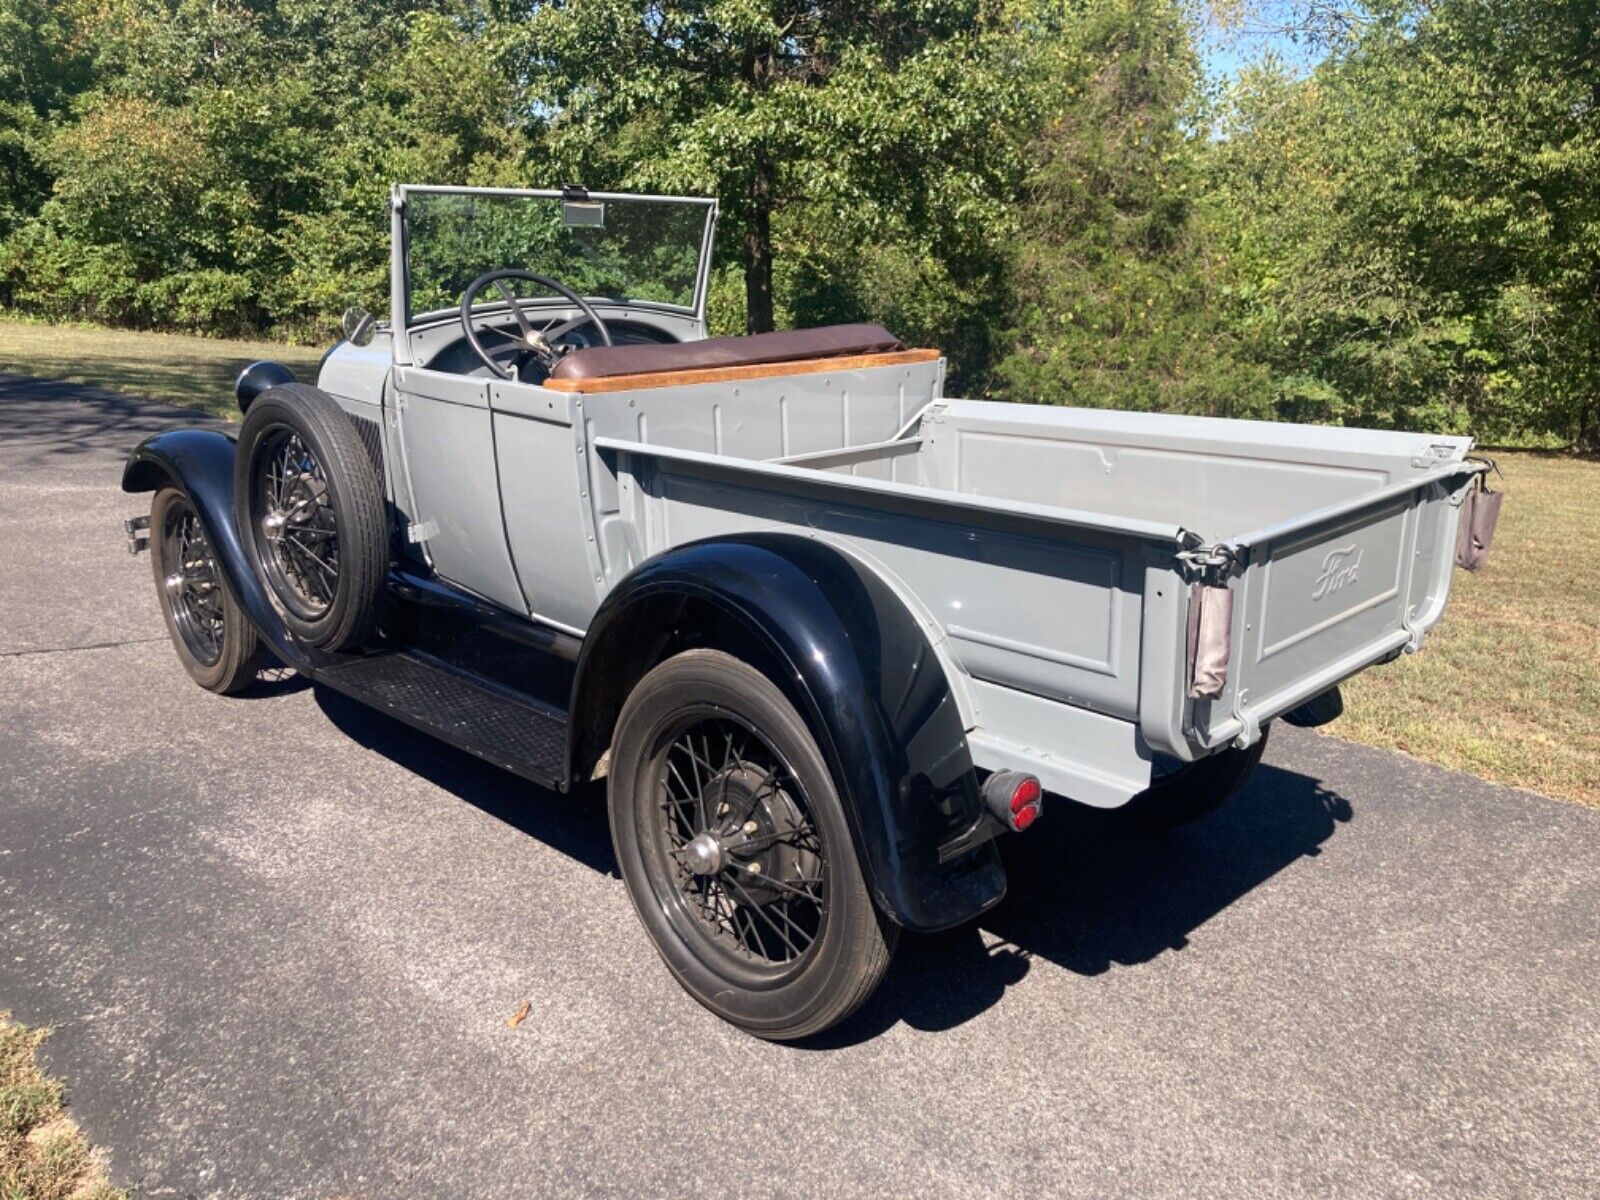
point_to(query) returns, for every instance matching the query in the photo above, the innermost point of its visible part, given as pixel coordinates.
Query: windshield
(628, 248)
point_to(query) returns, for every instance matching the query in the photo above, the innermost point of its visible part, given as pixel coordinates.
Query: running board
(518, 734)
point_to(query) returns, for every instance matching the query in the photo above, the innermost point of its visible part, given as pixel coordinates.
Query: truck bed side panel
(1023, 606)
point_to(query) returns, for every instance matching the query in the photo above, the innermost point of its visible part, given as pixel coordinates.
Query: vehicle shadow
(273, 679)
(1087, 891)
(573, 824)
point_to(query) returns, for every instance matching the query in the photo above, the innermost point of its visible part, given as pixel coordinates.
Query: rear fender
(857, 666)
(200, 461)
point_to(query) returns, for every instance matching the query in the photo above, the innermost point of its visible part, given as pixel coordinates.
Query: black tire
(783, 828)
(1196, 789)
(310, 513)
(214, 641)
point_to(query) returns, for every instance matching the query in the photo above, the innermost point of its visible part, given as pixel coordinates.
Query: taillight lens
(1015, 798)
(1027, 802)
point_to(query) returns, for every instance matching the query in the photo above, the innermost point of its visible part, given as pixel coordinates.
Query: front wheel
(209, 631)
(734, 847)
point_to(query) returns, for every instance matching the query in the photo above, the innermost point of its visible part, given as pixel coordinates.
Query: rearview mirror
(589, 214)
(359, 326)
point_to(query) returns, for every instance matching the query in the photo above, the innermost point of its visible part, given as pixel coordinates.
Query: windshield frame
(399, 264)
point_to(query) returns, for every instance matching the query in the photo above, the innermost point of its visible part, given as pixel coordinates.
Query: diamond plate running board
(508, 731)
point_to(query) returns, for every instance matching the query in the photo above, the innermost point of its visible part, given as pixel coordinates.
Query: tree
(829, 130)
(1417, 224)
(45, 61)
(1118, 277)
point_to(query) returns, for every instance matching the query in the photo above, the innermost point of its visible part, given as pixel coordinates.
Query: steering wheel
(535, 342)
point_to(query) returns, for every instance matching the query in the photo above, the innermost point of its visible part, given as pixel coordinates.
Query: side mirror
(359, 326)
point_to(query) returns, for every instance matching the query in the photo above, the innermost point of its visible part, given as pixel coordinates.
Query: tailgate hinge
(1208, 564)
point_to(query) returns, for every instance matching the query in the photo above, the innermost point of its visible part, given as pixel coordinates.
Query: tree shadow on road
(56, 420)
(1087, 890)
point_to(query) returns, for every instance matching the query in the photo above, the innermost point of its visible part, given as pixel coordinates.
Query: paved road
(278, 938)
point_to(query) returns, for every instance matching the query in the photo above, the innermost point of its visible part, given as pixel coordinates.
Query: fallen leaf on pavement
(521, 1015)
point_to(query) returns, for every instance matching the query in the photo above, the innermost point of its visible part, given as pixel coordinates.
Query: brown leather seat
(603, 362)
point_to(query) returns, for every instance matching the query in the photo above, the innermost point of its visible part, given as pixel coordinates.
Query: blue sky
(1223, 55)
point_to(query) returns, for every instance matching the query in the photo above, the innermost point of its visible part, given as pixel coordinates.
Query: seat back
(581, 367)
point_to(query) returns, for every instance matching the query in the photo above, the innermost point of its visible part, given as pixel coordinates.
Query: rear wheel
(1195, 790)
(310, 509)
(213, 639)
(735, 851)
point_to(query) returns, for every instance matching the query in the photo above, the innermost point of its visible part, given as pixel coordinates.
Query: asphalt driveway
(279, 936)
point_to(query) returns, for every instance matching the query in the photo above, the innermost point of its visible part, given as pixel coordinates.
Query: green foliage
(42, 64)
(852, 145)
(1118, 285)
(225, 166)
(1416, 225)
(1407, 235)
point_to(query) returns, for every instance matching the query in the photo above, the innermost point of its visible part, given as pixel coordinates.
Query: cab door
(447, 437)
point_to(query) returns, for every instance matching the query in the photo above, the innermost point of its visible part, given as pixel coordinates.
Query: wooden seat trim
(804, 366)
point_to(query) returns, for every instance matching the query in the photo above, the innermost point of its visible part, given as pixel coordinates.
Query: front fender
(200, 461)
(858, 667)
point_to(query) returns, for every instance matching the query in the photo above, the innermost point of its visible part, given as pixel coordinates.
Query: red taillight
(1027, 802)
(1016, 799)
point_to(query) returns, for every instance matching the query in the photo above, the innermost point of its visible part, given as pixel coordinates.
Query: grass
(1508, 686)
(43, 1155)
(193, 371)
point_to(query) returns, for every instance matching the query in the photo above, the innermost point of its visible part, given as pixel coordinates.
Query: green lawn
(43, 1156)
(193, 371)
(1508, 686)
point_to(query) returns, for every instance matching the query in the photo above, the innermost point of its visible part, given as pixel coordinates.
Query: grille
(372, 438)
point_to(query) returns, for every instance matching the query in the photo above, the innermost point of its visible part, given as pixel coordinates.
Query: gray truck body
(1050, 555)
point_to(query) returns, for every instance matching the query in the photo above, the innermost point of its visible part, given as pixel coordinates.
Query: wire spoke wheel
(739, 841)
(736, 849)
(193, 592)
(295, 523)
(213, 640)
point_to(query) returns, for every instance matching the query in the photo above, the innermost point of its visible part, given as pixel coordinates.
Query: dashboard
(458, 358)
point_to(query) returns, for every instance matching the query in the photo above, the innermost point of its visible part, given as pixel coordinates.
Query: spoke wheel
(189, 578)
(308, 503)
(214, 641)
(736, 850)
(737, 842)
(294, 521)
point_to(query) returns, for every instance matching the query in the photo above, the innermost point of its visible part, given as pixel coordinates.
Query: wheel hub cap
(704, 854)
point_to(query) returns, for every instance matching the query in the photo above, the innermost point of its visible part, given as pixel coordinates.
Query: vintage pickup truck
(825, 632)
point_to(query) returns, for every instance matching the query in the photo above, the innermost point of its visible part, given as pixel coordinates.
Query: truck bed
(1052, 554)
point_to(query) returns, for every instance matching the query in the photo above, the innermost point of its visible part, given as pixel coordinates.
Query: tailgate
(1319, 597)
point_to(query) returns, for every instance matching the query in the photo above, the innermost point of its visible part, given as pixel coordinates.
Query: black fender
(200, 461)
(856, 665)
